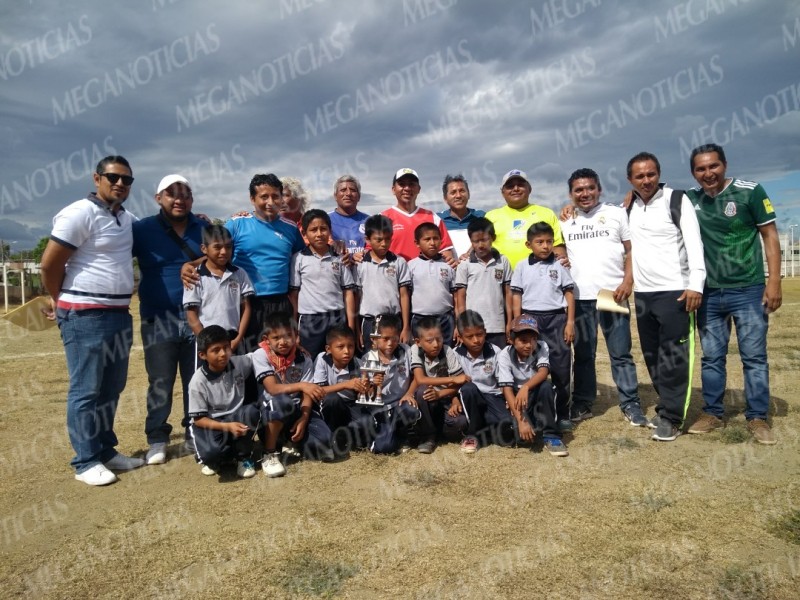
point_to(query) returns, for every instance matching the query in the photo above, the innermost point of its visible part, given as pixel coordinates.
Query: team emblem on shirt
(730, 209)
(233, 288)
(391, 271)
(444, 274)
(768, 205)
(488, 367)
(335, 266)
(293, 374)
(498, 274)
(401, 370)
(601, 220)
(518, 224)
(553, 275)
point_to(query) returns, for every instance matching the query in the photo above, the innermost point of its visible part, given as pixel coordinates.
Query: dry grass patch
(307, 575)
(787, 527)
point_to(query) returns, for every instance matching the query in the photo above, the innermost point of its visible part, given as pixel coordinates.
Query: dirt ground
(713, 516)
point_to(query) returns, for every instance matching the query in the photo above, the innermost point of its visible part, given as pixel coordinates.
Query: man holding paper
(598, 247)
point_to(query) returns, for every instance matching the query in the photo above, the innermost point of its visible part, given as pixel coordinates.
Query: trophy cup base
(370, 402)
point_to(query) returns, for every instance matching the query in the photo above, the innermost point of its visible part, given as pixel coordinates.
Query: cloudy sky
(313, 89)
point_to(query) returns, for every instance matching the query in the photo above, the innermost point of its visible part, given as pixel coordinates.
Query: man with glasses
(87, 270)
(163, 243)
(511, 222)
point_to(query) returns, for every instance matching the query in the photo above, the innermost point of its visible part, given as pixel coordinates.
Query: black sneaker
(634, 415)
(666, 431)
(580, 414)
(653, 423)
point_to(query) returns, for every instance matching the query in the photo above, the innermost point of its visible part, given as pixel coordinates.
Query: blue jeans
(617, 332)
(97, 344)
(741, 307)
(168, 347)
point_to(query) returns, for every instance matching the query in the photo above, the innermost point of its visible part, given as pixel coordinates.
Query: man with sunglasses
(511, 222)
(87, 270)
(163, 243)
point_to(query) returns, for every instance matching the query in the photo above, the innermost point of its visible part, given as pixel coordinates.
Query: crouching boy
(290, 401)
(523, 368)
(222, 426)
(438, 375)
(481, 400)
(399, 412)
(337, 373)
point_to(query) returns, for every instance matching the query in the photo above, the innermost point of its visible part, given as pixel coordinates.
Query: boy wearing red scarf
(289, 399)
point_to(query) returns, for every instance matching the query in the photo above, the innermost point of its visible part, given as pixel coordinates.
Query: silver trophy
(372, 366)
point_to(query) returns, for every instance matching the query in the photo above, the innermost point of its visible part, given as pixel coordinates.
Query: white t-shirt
(99, 274)
(594, 246)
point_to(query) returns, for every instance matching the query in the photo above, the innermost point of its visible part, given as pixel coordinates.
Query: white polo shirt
(515, 372)
(99, 274)
(219, 299)
(485, 284)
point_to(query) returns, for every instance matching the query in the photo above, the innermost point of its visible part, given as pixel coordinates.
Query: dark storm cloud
(315, 89)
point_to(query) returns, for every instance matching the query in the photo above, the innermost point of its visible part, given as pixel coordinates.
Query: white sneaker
(272, 465)
(208, 471)
(120, 462)
(291, 450)
(157, 454)
(97, 475)
(246, 469)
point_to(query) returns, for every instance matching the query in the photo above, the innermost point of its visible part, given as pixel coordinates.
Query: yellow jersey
(511, 228)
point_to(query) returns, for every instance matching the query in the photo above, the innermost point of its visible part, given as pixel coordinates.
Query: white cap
(403, 173)
(515, 173)
(169, 180)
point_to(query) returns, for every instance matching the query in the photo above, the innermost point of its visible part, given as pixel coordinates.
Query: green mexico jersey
(729, 228)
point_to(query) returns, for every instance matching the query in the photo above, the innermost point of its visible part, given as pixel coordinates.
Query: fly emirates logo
(586, 232)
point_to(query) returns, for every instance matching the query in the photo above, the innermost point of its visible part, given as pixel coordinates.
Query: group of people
(461, 324)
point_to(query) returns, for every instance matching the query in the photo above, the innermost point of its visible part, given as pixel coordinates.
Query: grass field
(713, 516)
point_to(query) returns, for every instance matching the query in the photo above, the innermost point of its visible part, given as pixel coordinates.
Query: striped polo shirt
(99, 274)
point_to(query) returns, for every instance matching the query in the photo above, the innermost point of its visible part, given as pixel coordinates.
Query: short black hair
(423, 228)
(339, 331)
(113, 159)
(215, 233)
(642, 156)
(269, 179)
(469, 318)
(377, 224)
(315, 213)
(427, 323)
(584, 174)
(278, 320)
(705, 149)
(448, 179)
(387, 321)
(481, 225)
(213, 334)
(538, 229)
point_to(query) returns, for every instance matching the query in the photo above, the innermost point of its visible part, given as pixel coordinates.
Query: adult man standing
(733, 213)
(511, 222)
(347, 222)
(263, 245)
(599, 250)
(406, 216)
(88, 272)
(162, 243)
(458, 216)
(668, 274)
